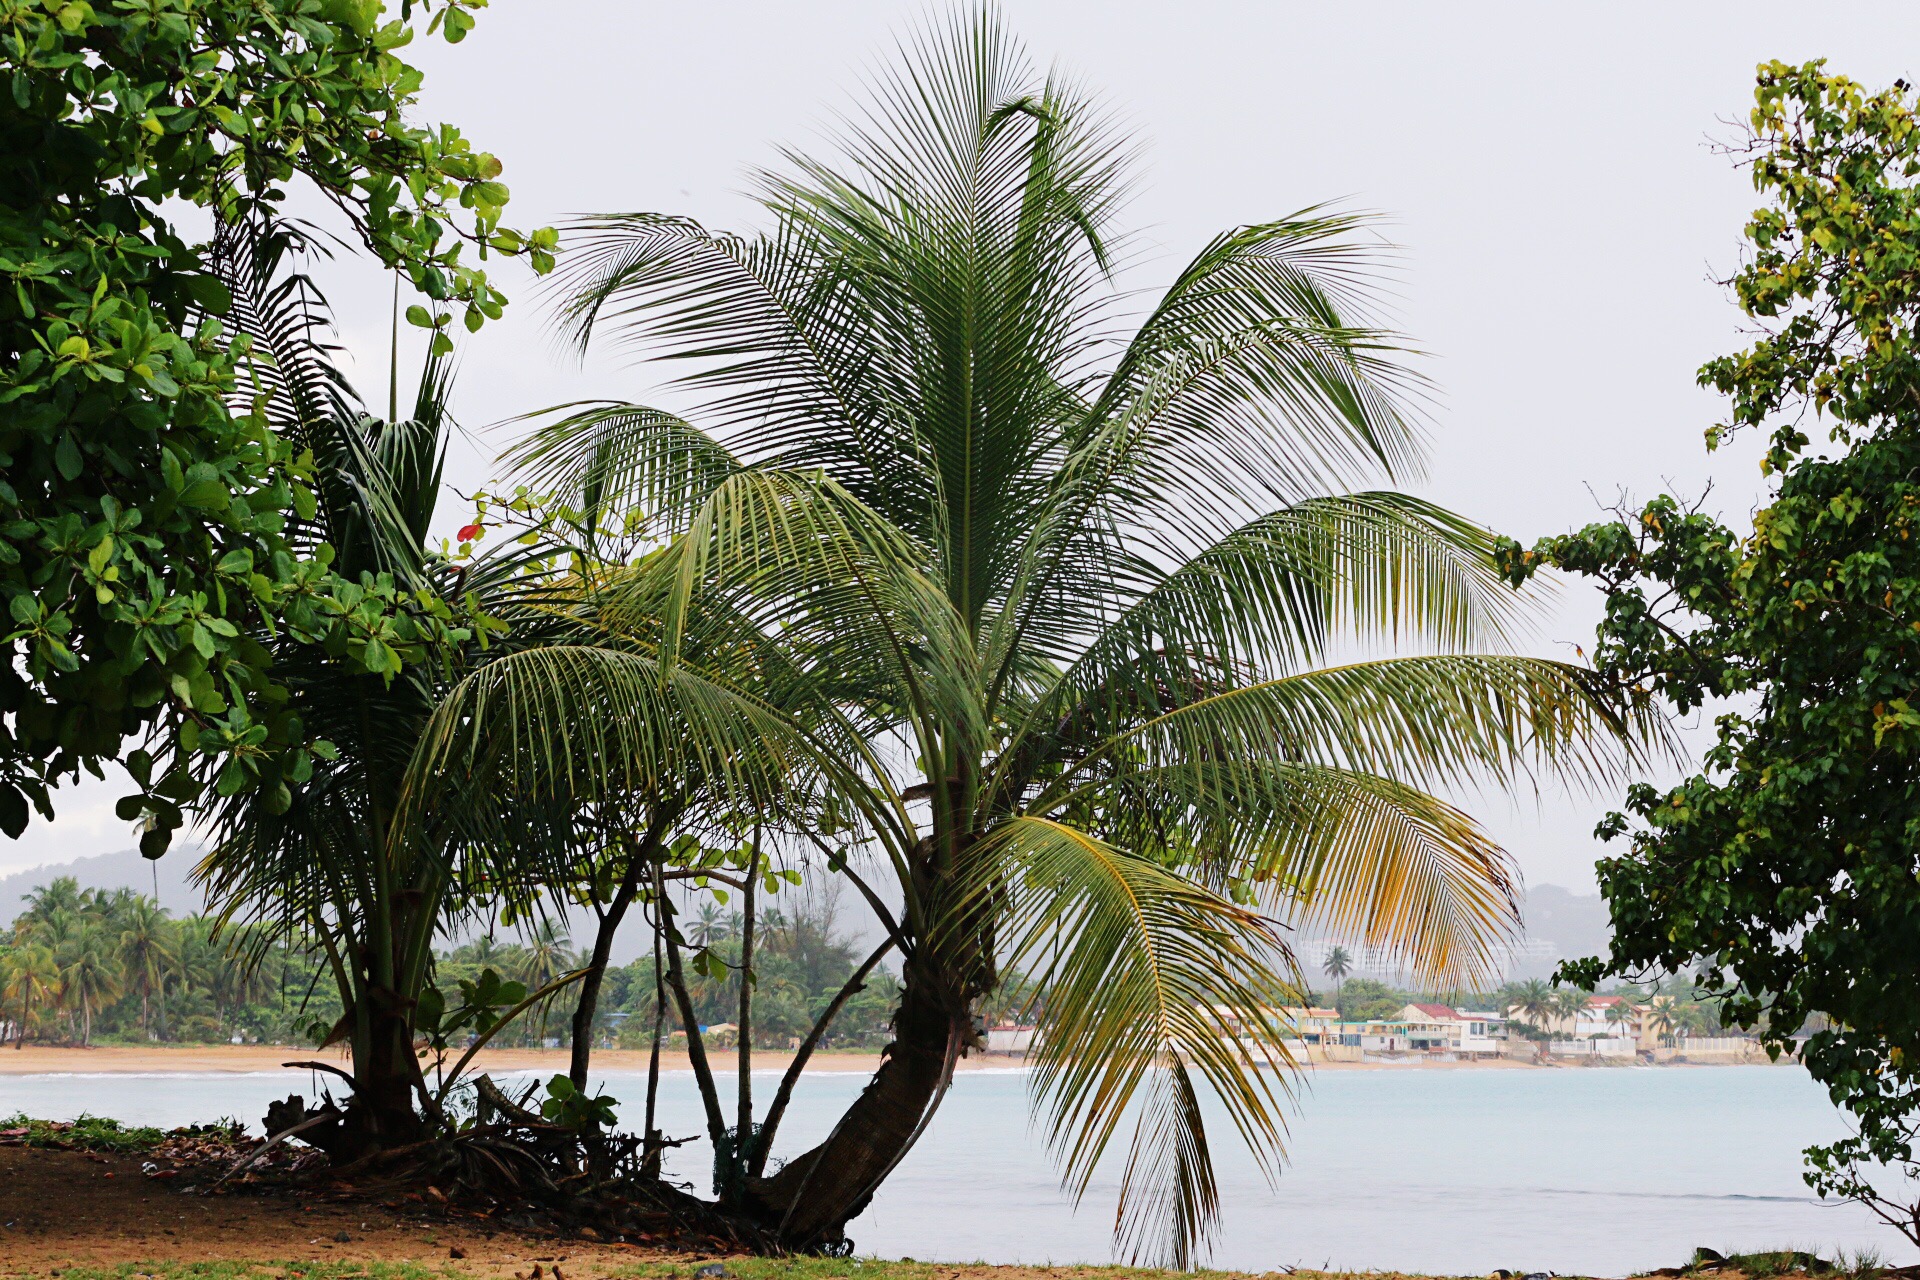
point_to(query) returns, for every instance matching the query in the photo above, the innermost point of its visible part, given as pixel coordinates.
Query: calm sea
(1600, 1172)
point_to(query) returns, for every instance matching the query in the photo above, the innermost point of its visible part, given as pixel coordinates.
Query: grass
(88, 1133)
(101, 1133)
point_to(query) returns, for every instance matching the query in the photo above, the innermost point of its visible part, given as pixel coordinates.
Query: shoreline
(253, 1059)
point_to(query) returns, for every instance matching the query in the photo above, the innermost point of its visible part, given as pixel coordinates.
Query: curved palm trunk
(809, 1202)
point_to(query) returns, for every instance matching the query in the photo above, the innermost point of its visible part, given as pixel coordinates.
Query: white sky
(1546, 169)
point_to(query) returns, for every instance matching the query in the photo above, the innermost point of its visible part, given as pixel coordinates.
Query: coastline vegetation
(89, 967)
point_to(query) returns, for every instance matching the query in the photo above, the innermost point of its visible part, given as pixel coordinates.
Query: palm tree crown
(1072, 613)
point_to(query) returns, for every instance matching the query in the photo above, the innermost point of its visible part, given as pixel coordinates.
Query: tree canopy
(1785, 869)
(147, 493)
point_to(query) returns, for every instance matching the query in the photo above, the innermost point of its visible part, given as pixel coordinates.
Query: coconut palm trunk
(812, 1198)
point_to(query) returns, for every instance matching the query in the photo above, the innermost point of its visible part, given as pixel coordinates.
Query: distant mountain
(165, 878)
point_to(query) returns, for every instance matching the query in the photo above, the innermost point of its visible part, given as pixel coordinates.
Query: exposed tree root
(508, 1165)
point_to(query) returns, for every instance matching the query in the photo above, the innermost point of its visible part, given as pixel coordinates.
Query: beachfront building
(1008, 1037)
(1442, 1027)
(1312, 1024)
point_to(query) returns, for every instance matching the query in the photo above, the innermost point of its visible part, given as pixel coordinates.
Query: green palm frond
(631, 727)
(613, 457)
(289, 370)
(1435, 720)
(1352, 854)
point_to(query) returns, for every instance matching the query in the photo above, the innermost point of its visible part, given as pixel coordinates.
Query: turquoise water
(1459, 1171)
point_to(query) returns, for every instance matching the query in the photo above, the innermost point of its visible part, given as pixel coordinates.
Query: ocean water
(1597, 1172)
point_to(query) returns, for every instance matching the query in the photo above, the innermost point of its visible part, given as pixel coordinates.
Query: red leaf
(469, 533)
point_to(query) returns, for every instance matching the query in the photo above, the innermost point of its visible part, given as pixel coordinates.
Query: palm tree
(145, 951)
(1338, 965)
(32, 981)
(709, 925)
(62, 895)
(1065, 605)
(90, 973)
(1570, 1003)
(1663, 1018)
(316, 848)
(1535, 1002)
(546, 956)
(1622, 1016)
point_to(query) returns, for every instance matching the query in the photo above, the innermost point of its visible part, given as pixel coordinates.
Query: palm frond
(1152, 989)
(1439, 720)
(1354, 854)
(608, 457)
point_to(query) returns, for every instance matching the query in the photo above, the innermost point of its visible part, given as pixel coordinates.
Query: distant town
(1603, 1030)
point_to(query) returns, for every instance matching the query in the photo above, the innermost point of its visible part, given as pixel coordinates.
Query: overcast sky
(1548, 172)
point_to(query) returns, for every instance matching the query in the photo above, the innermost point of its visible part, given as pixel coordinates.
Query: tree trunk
(809, 1201)
(381, 1114)
(384, 1085)
(650, 1158)
(743, 1143)
(585, 1011)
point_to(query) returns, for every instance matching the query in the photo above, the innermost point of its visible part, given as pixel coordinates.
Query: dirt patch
(61, 1208)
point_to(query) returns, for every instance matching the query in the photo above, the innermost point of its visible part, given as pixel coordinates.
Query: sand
(123, 1059)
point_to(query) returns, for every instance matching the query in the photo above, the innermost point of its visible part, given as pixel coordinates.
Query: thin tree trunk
(585, 1011)
(696, 1044)
(743, 1144)
(650, 1160)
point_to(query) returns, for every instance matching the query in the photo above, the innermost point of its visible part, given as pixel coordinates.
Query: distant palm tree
(546, 957)
(32, 981)
(63, 895)
(1663, 1017)
(1535, 1002)
(145, 951)
(709, 926)
(1570, 1003)
(1697, 1019)
(89, 973)
(196, 958)
(1622, 1016)
(1338, 965)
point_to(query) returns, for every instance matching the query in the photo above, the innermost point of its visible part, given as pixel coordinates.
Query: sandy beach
(148, 1059)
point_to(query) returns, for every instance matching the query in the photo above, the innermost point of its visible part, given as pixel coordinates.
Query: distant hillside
(125, 869)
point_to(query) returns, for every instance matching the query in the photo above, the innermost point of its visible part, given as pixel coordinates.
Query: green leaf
(66, 457)
(13, 811)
